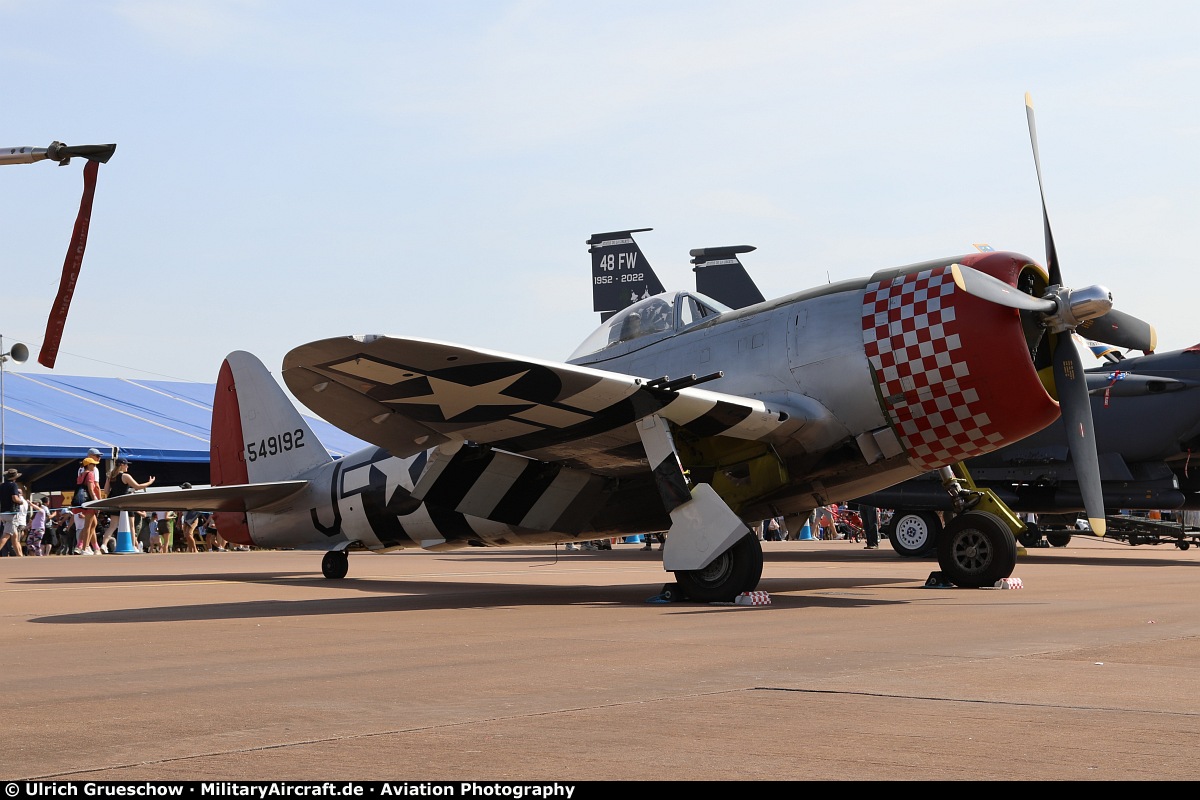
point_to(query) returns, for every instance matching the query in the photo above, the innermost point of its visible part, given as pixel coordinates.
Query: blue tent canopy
(55, 417)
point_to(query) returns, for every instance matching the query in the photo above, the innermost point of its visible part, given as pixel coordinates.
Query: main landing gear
(976, 549)
(335, 564)
(736, 570)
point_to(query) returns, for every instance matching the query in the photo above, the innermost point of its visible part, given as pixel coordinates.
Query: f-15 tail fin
(721, 276)
(621, 275)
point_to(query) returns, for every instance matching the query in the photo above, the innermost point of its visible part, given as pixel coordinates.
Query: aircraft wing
(407, 395)
(240, 497)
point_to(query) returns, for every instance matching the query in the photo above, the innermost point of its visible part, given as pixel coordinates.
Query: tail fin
(621, 275)
(721, 276)
(257, 433)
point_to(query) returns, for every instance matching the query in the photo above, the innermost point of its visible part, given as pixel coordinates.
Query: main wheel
(736, 570)
(335, 565)
(976, 549)
(913, 533)
(1058, 539)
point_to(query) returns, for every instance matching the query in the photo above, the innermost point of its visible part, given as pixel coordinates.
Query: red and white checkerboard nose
(953, 370)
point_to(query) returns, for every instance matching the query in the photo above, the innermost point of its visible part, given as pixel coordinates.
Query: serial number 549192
(274, 445)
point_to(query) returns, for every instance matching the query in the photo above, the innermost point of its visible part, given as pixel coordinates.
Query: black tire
(1058, 539)
(736, 570)
(335, 565)
(976, 549)
(1183, 545)
(913, 533)
(1031, 536)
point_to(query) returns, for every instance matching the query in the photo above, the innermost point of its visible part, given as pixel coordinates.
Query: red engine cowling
(954, 371)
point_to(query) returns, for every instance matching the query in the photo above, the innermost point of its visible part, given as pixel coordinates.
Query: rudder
(257, 433)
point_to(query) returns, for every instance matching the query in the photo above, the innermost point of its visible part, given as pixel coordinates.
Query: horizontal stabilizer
(243, 497)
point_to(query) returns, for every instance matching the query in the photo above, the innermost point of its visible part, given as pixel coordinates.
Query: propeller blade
(1121, 330)
(985, 287)
(1051, 253)
(1071, 382)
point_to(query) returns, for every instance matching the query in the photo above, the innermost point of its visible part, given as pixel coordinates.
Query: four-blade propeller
(1063, 311)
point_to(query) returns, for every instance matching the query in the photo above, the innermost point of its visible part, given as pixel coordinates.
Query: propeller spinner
(1062, 312)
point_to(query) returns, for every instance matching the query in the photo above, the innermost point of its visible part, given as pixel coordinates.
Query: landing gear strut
(335, 564)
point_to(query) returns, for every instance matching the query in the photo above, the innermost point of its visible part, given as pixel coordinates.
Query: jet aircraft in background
(1147, 417)
(678, 413)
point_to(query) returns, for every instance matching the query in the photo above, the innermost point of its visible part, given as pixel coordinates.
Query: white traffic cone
(124, 535)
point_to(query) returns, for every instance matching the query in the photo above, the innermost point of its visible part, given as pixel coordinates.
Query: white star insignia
(395, 471)
(455, 398)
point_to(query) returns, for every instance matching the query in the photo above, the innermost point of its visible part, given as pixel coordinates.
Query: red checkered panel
(913, 342)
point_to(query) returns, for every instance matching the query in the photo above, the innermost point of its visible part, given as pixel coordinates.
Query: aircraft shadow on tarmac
(400, 595)
(1165, 556)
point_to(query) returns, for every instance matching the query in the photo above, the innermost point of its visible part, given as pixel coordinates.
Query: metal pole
(3, 358)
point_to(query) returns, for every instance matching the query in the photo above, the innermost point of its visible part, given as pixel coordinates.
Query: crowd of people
(31, 527)
(849, 521)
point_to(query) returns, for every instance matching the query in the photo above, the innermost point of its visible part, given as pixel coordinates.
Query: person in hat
(120, 482)
(87, 483)
(11, 498)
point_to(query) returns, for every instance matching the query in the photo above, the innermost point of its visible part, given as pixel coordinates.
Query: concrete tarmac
(528, 664)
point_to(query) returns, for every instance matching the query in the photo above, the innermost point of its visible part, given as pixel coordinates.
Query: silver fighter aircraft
(677, 414)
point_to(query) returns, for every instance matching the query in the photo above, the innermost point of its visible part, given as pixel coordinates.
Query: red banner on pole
(70, 274)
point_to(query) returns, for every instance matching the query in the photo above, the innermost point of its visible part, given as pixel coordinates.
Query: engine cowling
(954, 372)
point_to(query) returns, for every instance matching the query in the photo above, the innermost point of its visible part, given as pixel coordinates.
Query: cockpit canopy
(663, 313)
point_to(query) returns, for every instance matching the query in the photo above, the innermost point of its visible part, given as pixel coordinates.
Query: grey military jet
(1146, 411)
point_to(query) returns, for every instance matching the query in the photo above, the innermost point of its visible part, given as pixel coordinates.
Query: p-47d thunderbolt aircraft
(677, 413)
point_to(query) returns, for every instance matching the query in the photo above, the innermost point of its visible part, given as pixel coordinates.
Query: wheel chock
(937, 581)
(1009, 583)
(669, 594)
(753, 599)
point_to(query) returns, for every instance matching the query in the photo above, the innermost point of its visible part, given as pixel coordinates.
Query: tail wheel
(976, 549)
(914, 533)
(335, 565)
(736, 570)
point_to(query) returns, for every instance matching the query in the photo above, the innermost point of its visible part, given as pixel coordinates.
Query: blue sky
(289, 171)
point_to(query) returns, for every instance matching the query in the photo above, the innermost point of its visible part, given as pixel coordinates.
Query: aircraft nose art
(953, 371)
